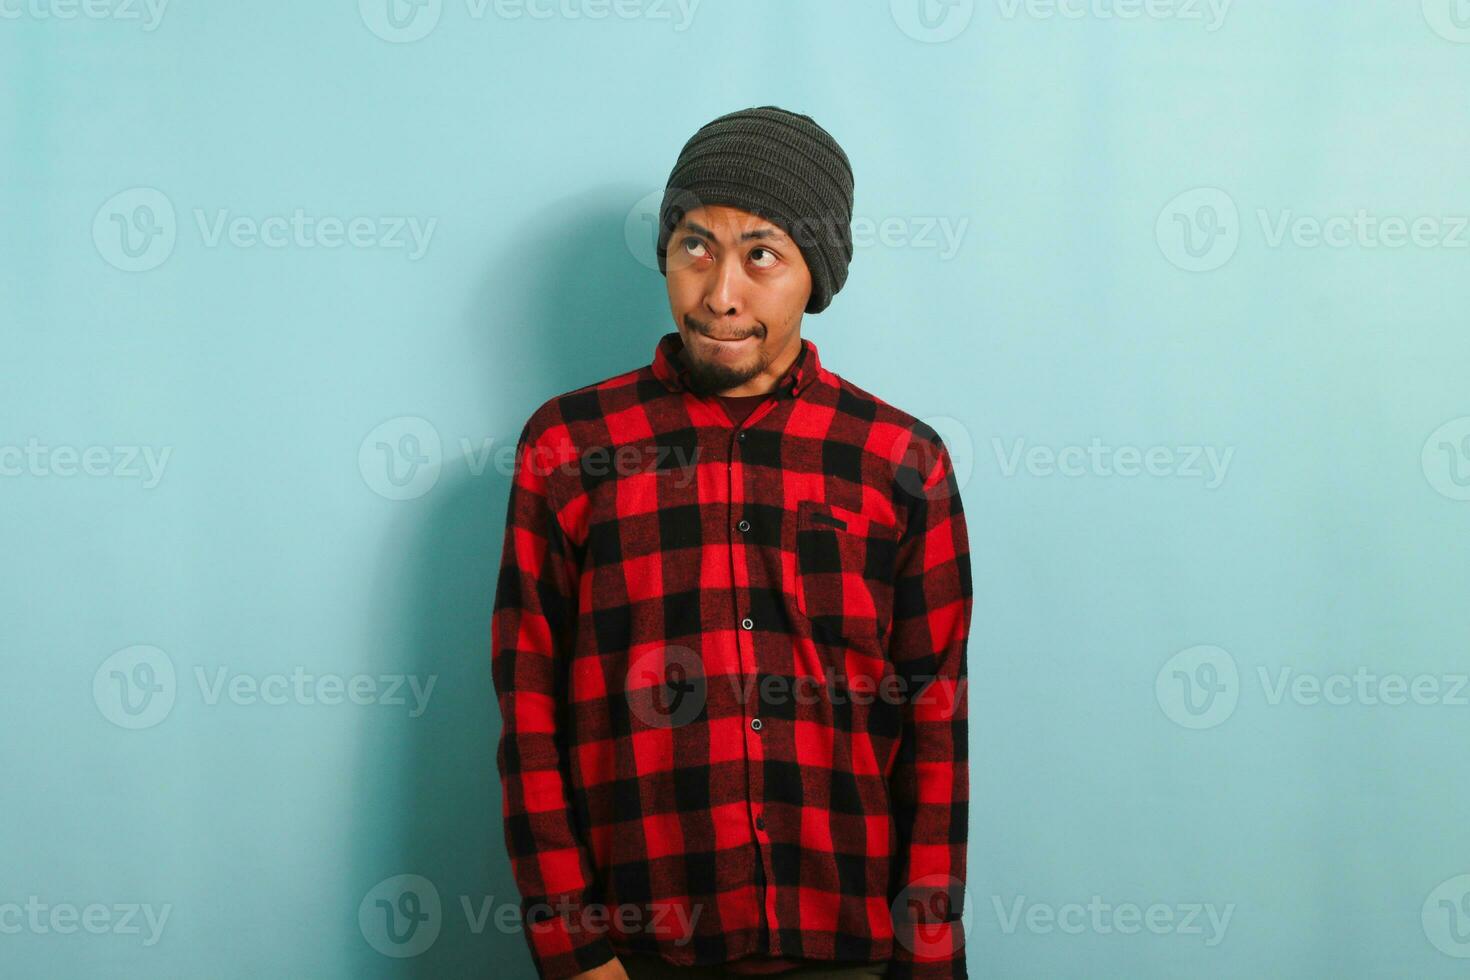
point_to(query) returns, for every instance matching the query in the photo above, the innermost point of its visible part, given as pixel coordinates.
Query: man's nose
(722, 295)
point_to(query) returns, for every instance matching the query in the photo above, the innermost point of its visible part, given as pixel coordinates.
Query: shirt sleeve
(930, 785)
(532, 632)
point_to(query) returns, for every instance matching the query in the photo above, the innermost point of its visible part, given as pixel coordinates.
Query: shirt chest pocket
(844, 575)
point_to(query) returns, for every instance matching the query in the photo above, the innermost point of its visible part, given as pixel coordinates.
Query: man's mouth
(731, 338)
(737, 345)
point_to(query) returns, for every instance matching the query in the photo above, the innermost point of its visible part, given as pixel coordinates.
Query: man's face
(737, 287)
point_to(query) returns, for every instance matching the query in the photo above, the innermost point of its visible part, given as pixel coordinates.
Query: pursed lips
(728, 340)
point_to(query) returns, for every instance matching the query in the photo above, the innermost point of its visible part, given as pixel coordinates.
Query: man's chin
(708, 380)
(710, 385)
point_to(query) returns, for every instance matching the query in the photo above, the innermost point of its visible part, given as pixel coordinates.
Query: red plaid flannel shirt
(730, 664)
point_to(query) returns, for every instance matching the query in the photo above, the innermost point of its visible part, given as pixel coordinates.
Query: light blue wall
(1113, 293)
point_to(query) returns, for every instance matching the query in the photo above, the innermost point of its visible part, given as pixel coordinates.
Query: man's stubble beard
(710, 378)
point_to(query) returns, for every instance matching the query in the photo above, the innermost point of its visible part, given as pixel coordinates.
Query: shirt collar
(806, 369)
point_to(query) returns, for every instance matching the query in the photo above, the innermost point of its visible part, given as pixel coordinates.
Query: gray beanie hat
(780, 165)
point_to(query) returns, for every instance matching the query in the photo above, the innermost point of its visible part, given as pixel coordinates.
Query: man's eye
(766, 251)
(691, 243)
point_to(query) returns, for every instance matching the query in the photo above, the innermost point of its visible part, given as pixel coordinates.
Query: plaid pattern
(730, 663)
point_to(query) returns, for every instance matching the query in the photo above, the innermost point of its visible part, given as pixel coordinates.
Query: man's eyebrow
(700, 229)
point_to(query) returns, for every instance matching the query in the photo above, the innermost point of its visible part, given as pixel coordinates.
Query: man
(730, 628)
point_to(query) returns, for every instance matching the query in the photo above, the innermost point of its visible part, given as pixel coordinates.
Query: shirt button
(744, 525)
(760, 823)
(740, 435)
(755, 723)
(747, 622)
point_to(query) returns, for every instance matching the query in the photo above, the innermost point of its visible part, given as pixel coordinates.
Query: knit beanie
(777, 164)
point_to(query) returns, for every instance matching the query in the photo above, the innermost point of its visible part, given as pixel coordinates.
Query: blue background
(1132, 272)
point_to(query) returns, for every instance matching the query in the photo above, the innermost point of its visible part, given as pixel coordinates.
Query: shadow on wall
(563, 303)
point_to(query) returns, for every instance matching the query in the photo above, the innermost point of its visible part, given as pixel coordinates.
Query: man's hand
(611, 970)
